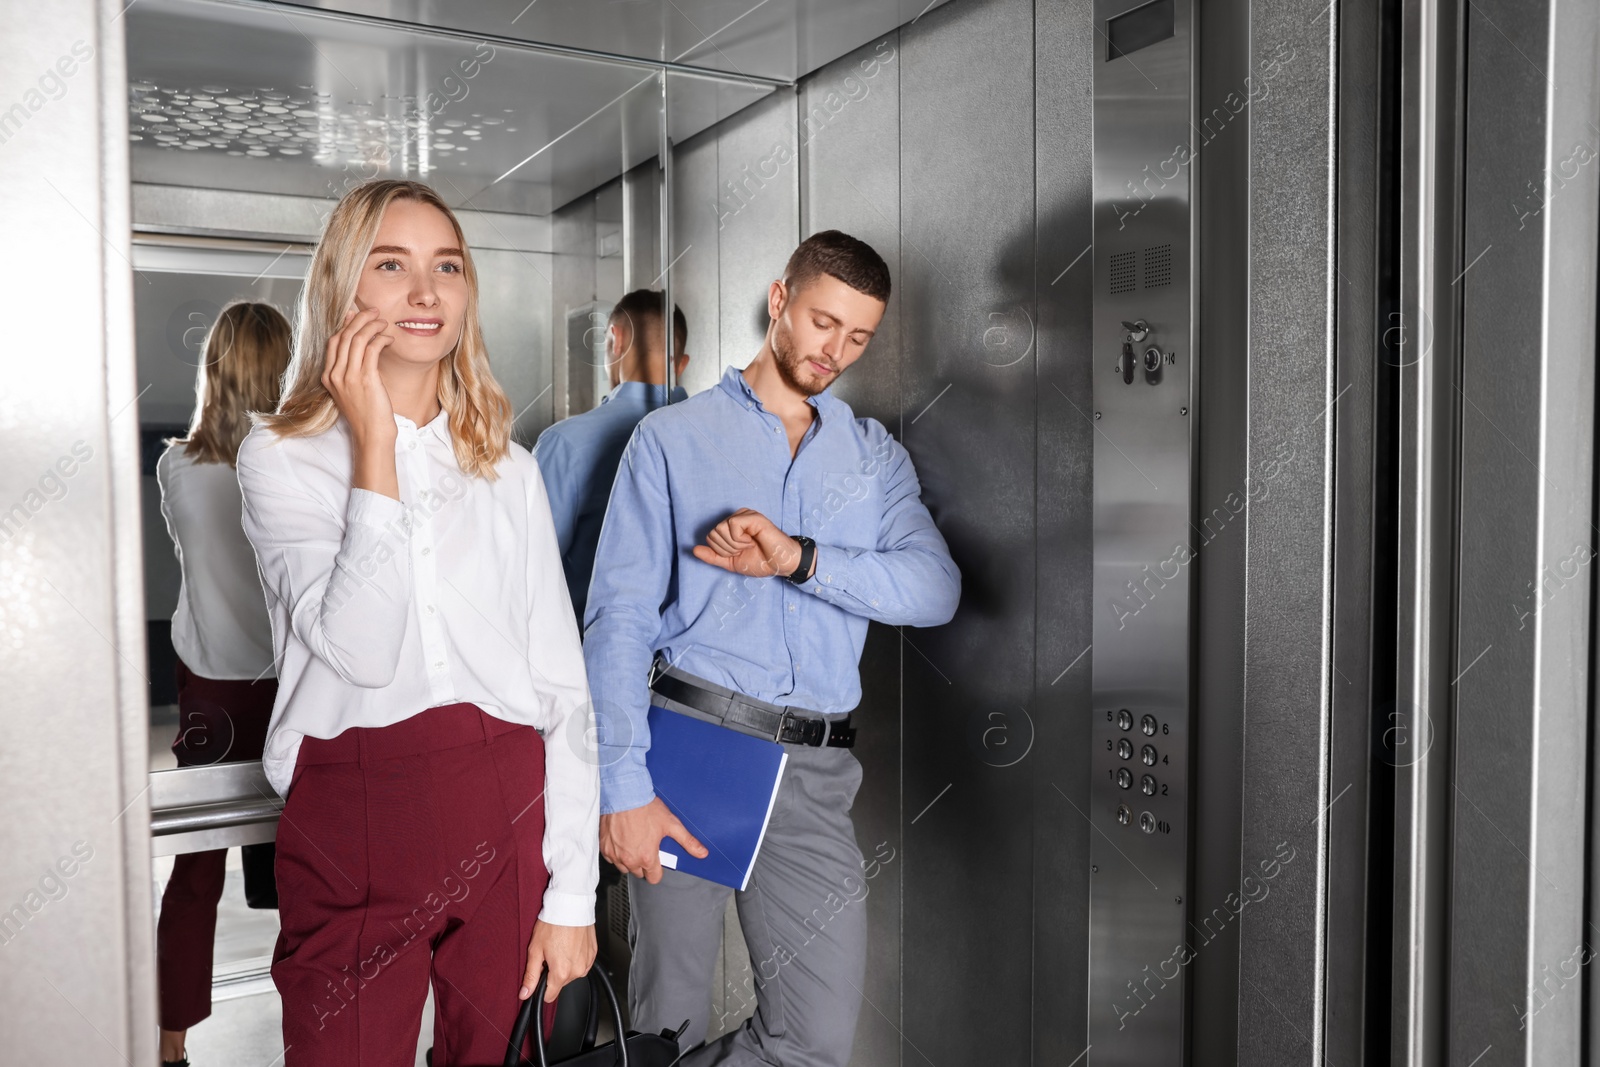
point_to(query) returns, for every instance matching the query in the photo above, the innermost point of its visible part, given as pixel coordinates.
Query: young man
(578, 456)
(752, 531)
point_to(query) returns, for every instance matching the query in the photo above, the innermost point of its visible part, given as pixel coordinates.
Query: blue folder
(721, 784)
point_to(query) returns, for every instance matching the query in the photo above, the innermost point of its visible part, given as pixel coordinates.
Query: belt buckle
(783, 724)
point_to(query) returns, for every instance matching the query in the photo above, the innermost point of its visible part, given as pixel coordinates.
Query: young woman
(425, 641)
(220, 631)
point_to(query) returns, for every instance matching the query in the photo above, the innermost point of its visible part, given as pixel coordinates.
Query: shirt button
(411, 444)
(430, 609)
(791, 606)
(438, 665)
(426, 550)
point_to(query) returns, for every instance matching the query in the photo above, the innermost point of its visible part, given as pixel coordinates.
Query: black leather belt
(766, 720)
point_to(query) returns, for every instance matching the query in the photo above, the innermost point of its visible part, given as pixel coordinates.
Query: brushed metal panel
(1526, 280)
(1065, 48)
(695, 267)
(850, 180)
(78, 965)
(755, 241)
(1144, 540)
(514, 306)
(970, 396)
(1288, 535)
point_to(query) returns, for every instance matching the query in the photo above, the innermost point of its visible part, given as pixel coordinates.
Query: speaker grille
(1122, 276)
(1157, 266)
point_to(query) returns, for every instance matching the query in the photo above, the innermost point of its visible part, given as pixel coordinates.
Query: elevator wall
(959, 147)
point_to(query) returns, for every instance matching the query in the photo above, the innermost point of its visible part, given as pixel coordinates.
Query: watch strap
(808, 555)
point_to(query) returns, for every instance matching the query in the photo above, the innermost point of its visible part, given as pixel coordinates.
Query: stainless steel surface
(1428, 351)
(77, 971)
(1518, 929)
(1066, 47)
(185, 787)
(1286, 788)
(695, 268)
(969, 399)
(770, 39)
(752, 247)
(221, 805)
(1144, 543)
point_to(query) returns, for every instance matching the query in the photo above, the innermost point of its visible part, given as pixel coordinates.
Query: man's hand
(632, 839)
(567, 950)
(747, 542)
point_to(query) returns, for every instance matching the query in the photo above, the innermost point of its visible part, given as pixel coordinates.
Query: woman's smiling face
(415, 276)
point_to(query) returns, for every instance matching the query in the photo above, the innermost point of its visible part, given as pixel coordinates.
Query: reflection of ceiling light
(262, 122)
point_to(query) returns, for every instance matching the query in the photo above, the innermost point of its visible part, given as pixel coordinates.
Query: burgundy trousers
(217, 721)
(407, 854)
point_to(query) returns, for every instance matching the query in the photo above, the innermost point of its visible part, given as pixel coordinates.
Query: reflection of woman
(424, 640)
(220, 631)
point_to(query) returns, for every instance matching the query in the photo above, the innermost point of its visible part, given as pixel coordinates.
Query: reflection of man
(812, 524)
(578, 456)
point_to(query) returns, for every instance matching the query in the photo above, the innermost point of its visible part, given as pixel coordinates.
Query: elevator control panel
(1145, 429)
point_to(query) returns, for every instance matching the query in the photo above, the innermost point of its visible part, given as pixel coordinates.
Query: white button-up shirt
(220, 628)
(454, 593)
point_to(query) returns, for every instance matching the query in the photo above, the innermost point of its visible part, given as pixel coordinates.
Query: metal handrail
(214, 816)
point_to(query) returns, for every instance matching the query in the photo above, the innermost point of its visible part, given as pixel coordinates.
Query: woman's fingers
(530, 975)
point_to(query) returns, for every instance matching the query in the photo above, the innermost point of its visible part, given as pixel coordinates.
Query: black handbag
(633, 1050)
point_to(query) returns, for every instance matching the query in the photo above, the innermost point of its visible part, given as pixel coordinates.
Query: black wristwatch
(808, 555)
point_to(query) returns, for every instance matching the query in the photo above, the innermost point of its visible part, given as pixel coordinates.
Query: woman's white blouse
(454, 593)
(220, 628)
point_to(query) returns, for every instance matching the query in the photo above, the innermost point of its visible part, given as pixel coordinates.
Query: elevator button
(1124, 814)
(1124, 778)
(1124, 719)
(1148, 785)
(1148, 755)
(1148, 725)
(1125, 749)
(1147, 822)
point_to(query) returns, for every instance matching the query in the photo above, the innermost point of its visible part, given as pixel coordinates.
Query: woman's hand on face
(568, 951)
(350, 374)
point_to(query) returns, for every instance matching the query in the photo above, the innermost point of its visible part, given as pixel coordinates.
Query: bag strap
(530, 1016)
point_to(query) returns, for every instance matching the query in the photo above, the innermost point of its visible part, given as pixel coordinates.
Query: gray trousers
(805, 924)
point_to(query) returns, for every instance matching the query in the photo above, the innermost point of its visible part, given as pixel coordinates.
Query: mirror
(246, 123)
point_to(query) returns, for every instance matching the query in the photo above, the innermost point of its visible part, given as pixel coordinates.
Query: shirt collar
(737, 386)
(438, 426)
(651, 395)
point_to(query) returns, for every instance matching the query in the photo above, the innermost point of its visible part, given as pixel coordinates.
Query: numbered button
(1125, 719)
(1148, 755)
(1124, 814)
(1125, 749)
(1124, 778)
(1147, 822)
(1148, 725)
(1147, 785)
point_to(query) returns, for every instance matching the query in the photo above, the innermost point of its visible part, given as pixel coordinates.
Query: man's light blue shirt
(688, 466)
(578, 458)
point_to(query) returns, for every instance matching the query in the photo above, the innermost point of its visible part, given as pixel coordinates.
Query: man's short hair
(642, 311)
(841, 256)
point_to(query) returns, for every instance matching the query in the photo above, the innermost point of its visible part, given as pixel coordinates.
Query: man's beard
(789, 362)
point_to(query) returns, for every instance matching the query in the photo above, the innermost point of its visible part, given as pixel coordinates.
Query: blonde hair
(245, 356)
(478, 412)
